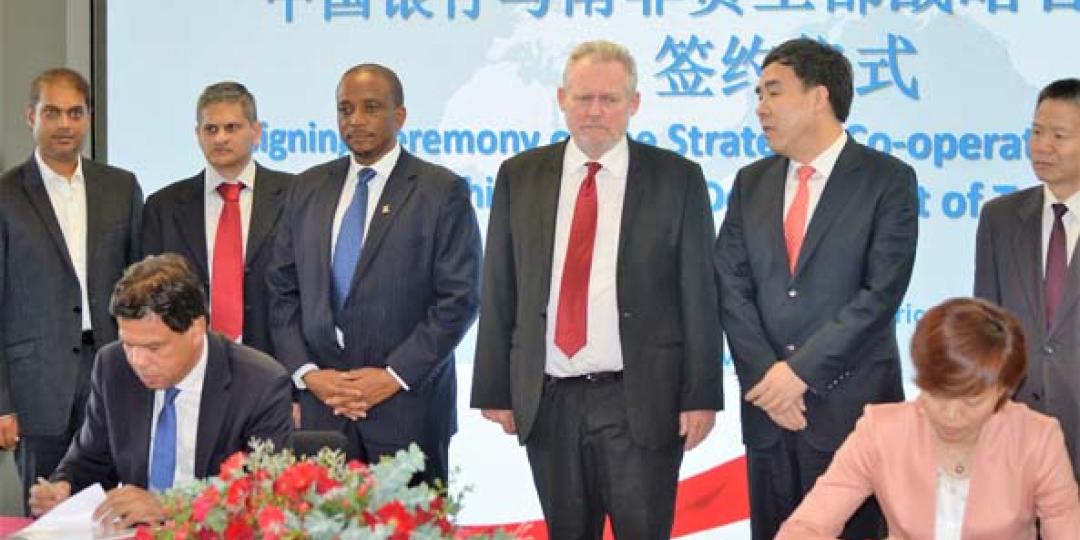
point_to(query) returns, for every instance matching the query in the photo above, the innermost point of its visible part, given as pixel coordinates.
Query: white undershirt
(1071, 221)
(602, 350)
(187, 404)
(68, 199)
(952, 495)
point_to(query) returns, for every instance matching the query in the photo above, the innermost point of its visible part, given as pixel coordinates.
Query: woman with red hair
(962, 461)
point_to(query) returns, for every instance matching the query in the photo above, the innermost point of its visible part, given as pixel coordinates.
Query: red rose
(239, 529)
(238, 492)
(272, 522)
(232, 466)
(143, 533)
(204, 503)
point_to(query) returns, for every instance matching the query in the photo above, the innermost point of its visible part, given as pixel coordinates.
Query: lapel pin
(386, 209)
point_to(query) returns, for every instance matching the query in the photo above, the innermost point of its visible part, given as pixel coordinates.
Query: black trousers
(315, 415)
(587, 467)
(38, 455)
(781, 475)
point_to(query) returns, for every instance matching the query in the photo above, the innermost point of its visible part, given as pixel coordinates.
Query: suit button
(1048, 349)
(77, 309)
(76, 350)
(1036, 396)
(789, 347)
(792, 293)
(627, 315)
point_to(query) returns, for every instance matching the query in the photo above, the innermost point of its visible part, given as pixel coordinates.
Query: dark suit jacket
(833, 322)
(40, 297)
(175, 220)
(670, 332)
(1009, 272)
(245, 394)
(413, 296)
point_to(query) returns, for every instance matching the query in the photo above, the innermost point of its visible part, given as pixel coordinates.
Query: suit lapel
(772, 215)
(546, 183)
(398, 187)
(191, 222)
(1070, 296)
(139, 400)
(321, 212)
(34, 185)
(638, 174)
(1027, 245)
(266, 204)
(96, 191)
(841, 185)
(213, 404)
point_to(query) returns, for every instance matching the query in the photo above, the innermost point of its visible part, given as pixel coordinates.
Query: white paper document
(72, 519)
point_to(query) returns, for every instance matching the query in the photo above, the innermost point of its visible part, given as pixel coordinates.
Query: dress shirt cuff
(399, 380)
(298, 375)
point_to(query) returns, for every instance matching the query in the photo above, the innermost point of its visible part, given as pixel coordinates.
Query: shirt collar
(1073, 202)
(383, 167)
(48, 174)
(214, 178)
(193, 381)
(823, 164)
(615, 160)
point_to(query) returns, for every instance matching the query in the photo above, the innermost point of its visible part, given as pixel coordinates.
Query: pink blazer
(1020, 470)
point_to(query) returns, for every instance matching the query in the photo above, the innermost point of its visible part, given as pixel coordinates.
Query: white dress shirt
(383, 167)
(1071, 220)
(187, 419)
(823, 166)
(213, 204)
(68, 198)
(603, 349)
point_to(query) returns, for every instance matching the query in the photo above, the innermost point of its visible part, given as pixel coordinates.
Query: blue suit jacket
(245, 394)
(413, 296)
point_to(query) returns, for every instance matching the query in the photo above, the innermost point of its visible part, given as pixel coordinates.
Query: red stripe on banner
(714, 498)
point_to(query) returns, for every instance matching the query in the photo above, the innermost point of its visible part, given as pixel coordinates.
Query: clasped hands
(354, 392)
(780, 394)
(124, 507)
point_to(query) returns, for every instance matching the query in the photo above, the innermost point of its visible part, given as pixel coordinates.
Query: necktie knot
(593, 167)
(804, 172)
(366, 174)
(170, 394)
(1059, 210)
(230, 191)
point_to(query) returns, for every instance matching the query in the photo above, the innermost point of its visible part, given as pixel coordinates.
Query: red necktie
(227, 282)
(570, 325)
(795, 222)
(1056, 264)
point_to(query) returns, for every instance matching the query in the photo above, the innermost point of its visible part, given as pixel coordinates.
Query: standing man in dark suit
(169, 401)
(374, 281)
(1025, 260)
(223, 218)
(814, 257)
(599, 338)
(68, 228)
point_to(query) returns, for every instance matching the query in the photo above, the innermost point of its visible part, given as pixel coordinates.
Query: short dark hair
(164, 285)
(396, 89)
(815, 64)
(1063, 89)
(61, 75)
(966, 346)
(227, 92)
